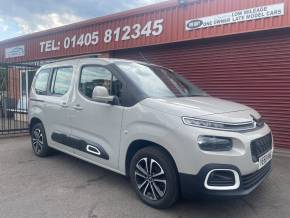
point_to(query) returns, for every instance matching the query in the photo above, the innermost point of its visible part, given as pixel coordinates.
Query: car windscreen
(159, 82)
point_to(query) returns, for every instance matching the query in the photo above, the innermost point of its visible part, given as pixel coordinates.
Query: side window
(41, 82)
(92, 76)
(61, 80)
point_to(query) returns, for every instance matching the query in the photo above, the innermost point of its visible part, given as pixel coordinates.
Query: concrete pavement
(63, 186)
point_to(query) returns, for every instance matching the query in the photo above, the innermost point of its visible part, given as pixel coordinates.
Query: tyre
(154, 177)
(39, 141)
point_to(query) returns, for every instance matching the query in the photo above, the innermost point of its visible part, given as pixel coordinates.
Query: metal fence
(15, 83)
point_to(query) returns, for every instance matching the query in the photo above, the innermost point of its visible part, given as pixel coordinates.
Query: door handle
(78, 107)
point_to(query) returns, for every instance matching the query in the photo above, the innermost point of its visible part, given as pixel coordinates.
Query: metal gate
(15, 83)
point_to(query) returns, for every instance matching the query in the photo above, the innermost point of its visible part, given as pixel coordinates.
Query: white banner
(236, 16)
(17, 51)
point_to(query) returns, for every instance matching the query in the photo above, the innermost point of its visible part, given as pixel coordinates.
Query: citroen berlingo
(147, 122)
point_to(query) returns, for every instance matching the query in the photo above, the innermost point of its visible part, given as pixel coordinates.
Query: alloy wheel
(150, 178)
(37, 140)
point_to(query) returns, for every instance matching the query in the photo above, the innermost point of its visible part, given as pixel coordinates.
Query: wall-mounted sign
(236, 16)
(109, 36)
(17, 51)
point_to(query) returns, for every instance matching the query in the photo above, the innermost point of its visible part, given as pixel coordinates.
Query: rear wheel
(154, 177)
(39, 142)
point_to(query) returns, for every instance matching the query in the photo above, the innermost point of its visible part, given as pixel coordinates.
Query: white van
(147, 122)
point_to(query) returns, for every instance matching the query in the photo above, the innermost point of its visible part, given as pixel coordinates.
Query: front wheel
(154, 177)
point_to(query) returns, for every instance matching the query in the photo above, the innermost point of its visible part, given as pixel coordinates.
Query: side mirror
(101, 94)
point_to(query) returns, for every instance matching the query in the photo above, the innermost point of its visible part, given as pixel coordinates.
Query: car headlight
(209, 124)
(214, 143)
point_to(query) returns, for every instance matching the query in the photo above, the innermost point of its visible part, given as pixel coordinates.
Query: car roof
(83, 61)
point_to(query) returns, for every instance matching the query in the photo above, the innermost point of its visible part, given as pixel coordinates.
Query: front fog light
(214, 143)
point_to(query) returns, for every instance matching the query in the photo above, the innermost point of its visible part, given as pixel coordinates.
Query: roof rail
(96, 55)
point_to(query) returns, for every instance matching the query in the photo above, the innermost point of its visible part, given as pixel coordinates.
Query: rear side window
(61, 80)
(41, 82)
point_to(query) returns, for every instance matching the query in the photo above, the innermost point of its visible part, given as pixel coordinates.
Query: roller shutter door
(253, 69)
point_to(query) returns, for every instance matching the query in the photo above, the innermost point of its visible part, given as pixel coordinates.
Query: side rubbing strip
(82, 145)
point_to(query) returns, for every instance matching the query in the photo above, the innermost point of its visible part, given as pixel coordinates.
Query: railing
(15, 82)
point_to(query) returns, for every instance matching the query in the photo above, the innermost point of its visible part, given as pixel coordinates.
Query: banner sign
(236, 16)
(17, 51)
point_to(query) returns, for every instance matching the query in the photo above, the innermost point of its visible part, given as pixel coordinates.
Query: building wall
(244, 61)
(172, 17)
(253, 69)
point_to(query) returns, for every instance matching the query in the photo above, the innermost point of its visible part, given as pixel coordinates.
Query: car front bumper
(194, 185)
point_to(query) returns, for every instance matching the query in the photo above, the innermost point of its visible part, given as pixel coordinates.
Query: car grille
(252, 179)
(261, 146)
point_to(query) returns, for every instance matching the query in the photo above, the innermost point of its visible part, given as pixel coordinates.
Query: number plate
(265, 159)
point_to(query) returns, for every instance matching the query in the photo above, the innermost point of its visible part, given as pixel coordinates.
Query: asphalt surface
(63, 186)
